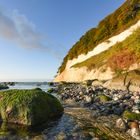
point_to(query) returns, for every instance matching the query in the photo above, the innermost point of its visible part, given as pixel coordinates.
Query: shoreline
(124, 105)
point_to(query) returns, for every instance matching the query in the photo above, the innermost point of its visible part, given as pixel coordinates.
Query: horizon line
(25, 80)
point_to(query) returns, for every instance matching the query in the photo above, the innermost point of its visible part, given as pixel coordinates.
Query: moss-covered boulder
(131, 115)
(29, 107)
(87, 82)
(50, 90)
(103, 98)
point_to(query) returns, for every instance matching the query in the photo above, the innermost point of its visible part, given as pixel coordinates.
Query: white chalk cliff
(81, 74)
(72, 74)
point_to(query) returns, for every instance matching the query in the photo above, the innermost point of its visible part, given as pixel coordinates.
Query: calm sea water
(30, 85)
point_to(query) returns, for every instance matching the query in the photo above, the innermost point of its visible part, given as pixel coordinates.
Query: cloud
(18, 29)
(28, 36)
(7, 27)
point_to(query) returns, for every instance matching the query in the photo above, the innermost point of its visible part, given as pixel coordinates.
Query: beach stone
(118, 110)
(127, 96)
(3, 86)
(135, 133)
(95, 114)
(88, 99)
(137, 97)
(81, 93)
(134, 130)
(133, 97)
(136, 93)
(61, 136)
(120, 123)
(136, 109)
(92, 134)
(115, 98)
(134, 125)
(137, 101)
(28, 107)
(95, 138)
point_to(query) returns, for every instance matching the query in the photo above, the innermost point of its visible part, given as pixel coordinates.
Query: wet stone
(120, 123)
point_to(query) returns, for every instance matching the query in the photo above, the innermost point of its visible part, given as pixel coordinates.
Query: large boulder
(2, 86)
(28, 107)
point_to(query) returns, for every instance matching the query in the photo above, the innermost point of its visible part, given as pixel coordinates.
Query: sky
(35, 35)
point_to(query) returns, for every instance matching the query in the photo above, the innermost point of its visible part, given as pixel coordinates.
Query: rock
(127, 96)
(135, 109)
(92, 134)
(115, 98)
(88, 82)
(51, 83)
(3, 87)
(136, 93)
(104, 98)
(88, 99)
(95, 138)
(131, 115)
(120, 123)
(137, 101)
(50, 90)
(109, 125)
(61, 136)
(134, 125)
(95, 114)
(135, 133)
(81, 93)
(38, 138)
(137, 97)
(134, 130)
(28, 107)
(70, 101)
(118, 110)
(97, 83)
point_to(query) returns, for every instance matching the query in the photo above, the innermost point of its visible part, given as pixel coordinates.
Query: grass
(125, 16)
(119, 57)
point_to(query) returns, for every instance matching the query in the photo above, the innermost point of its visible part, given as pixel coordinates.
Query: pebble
(88, 99)
(120, 123)
(135, 133)
(120, 101)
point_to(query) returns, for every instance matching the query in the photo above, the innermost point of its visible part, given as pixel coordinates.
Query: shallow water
(64, 127)
(29, 85)
(48, 130)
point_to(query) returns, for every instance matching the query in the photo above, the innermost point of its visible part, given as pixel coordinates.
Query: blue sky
(35, 35)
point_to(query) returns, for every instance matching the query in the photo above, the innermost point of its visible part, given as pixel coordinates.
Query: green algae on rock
(3, 87)
(131, 115)
(28, 107)
(104, 98)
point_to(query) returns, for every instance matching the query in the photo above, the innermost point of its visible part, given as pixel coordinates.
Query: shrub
(125, 16)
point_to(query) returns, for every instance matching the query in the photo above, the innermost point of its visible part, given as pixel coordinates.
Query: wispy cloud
(18, 29)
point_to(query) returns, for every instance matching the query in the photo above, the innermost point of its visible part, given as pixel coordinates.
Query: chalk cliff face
(107, 51)
(81, 74)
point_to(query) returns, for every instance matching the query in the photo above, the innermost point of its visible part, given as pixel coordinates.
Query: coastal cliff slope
(108, 51)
